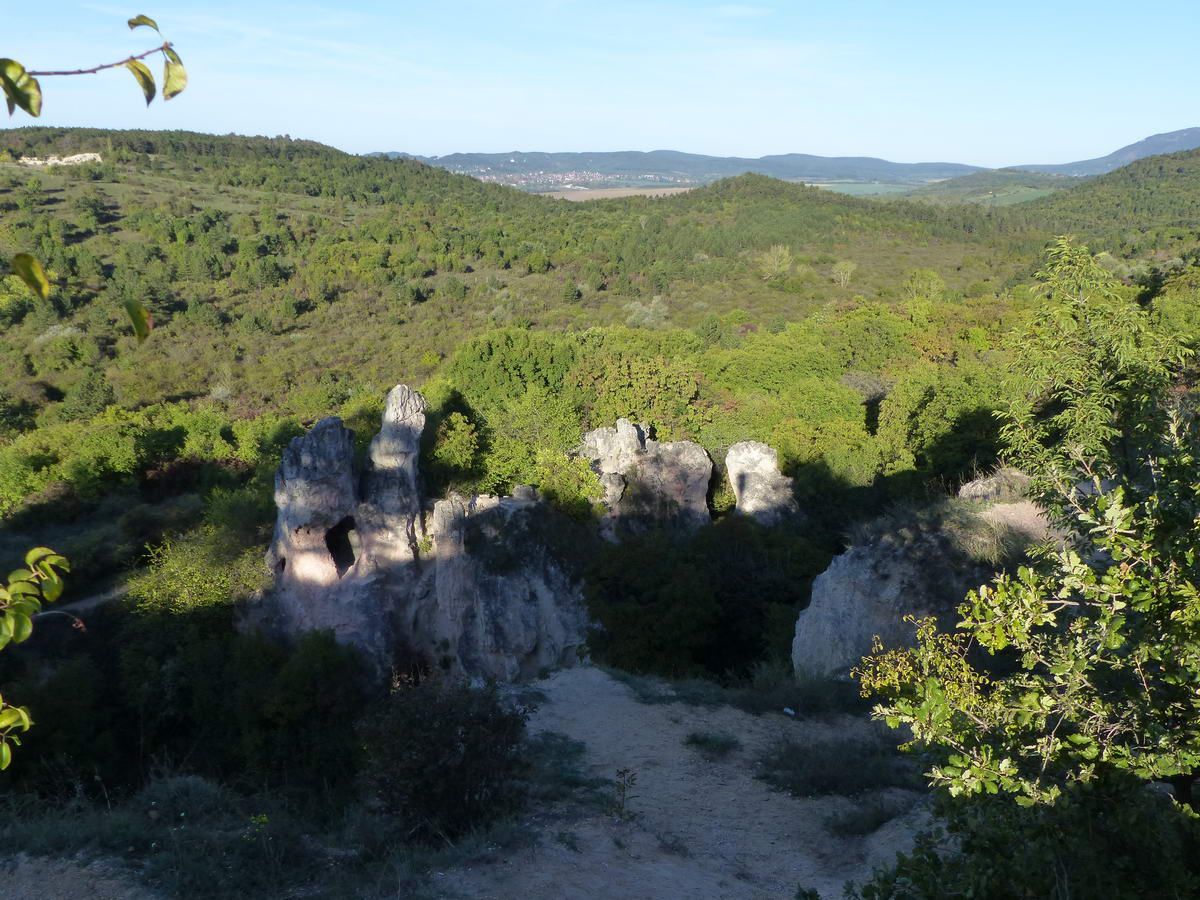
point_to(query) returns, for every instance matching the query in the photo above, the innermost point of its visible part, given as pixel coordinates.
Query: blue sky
(986, 83)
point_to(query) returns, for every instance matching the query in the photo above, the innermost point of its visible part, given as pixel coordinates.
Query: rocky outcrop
(482, 587)
(922, 567)
(1004, 485)
(503, 598)
(647, 483)
(316, 551)
(761, 491)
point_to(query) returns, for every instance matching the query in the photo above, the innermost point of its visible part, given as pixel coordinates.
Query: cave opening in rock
(341, 541)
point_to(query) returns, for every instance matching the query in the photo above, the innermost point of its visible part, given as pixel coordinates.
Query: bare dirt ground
(24, 878)
(699, 830)
(696, 829)
(608, 193)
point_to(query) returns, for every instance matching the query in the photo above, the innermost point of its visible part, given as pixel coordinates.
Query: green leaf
(20, 88)
(142, 321)
(138, 21)
(5, 755)
(30, 271)
(22, 627)
(174, 75)
(144, 79)
(37, 554)
(9, 717)
(52, 589)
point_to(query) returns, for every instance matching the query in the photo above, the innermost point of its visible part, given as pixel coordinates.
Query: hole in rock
(341, 540)
(281, 565)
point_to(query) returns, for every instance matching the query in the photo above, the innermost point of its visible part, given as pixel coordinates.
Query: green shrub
(712, 603)
(444, 759)
(1119, 842)
(847, 766)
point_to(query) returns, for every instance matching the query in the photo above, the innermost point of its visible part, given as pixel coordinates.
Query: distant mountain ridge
(674, 167)
(1155, 145)
(539, 171)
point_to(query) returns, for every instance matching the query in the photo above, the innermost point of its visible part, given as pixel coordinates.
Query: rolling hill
(552, 171)
(544, 172)
(1155, 145)
(992, 187)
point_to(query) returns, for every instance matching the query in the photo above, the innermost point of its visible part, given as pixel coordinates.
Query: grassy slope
(1000, 187)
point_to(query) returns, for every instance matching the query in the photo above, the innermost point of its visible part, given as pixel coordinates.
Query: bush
(711, 603)
(847, 766)
(444, 759)
(1118, 842)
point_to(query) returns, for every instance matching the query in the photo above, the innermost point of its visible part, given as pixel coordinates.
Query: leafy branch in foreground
(1098, 640)
(21, 599)
(23, 90)
(1108, 643)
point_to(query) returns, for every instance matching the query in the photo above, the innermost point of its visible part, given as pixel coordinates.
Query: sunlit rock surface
(762, 492)
(923, 566)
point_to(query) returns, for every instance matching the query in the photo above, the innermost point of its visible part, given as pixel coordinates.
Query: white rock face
(762, 492)
(503, 603)
(312, 549)
(73, 160)
(647, 483)
(480, 587)
(866, 591)
(869, 589)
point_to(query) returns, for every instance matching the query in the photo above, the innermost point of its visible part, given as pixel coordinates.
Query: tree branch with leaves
(23, 91)
(21, 600)
(1100, 636)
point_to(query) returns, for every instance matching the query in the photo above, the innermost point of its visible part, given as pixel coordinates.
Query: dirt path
(24, 878)
(701, 829)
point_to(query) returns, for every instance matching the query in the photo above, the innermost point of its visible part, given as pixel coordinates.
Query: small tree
(1102, 636)
(843, 270)
(1088, 380)
(776, 262)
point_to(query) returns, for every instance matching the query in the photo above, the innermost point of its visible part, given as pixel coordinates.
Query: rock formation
(1004, 485)
(762, 492)
(481, 588)
(502, 599)
(923, 567)
(647, 483)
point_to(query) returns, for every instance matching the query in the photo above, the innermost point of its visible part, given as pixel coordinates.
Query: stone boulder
(648, 484)
(920, 567)
(1004, 485)
(762, 492)
(325, 578)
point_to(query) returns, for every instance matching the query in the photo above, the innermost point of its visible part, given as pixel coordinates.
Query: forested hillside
(999, 187)
(288, 280)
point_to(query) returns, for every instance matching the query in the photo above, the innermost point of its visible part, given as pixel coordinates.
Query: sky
(985, 83)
